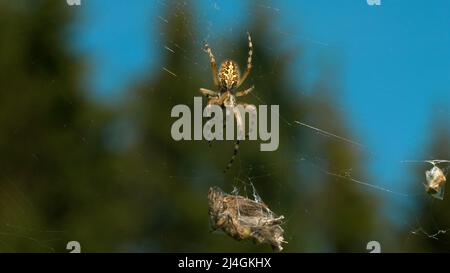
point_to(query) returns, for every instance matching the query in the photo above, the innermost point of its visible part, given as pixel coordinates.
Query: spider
(226, 82)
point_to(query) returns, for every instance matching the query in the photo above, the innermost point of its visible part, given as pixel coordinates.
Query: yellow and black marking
(228, 75)
(213, 63)
(249, 61)
(235, 152)
(250, 52)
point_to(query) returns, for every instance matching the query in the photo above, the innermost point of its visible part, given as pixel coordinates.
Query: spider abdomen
(228, 75)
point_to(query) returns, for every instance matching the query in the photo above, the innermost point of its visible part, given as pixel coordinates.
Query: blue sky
(394, 59)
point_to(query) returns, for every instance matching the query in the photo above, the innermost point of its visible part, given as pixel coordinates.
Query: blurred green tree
(57, 174)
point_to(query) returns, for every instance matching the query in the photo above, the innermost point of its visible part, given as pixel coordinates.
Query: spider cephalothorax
(226, 82)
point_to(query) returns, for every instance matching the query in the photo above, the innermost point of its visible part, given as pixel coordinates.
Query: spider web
(345, 176)
(218, 22)
(244, 178)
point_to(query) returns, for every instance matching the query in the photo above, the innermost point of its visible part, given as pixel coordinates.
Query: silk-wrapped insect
(245, 219)
(435, 185)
